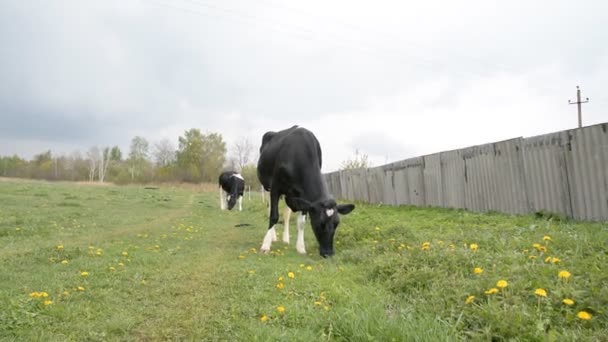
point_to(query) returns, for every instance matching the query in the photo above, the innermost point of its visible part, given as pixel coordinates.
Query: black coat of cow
(290, 166)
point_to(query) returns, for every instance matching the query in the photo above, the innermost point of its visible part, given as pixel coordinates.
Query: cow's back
(295, 150)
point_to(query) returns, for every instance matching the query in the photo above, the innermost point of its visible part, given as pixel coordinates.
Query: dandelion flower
(280, 286)
(584, 315)
(474, 246)
(291, 275)
(84, 274)
(502, 284)
(540, 292)
(536, 245)
(568, 301)
(48, 302)
(125, 253)
(491, 291)
(469, 299)
(318, 302)
(546, 238)
(65, 293)
(478, 270)
(263, 318)
(241, 257)
(112, 268)
(555, 260)
(542, 249)
(377, 229)
(59, 247)
(80, 288)
(302, 265)
(564, 274)
(532, 257)
(251, 271)
(65, 262)
(120, 264)
(280, 309)
(309, 268)
(548, 259)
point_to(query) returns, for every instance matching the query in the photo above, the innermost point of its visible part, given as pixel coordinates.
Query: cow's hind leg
(222, 200)
(240, 203)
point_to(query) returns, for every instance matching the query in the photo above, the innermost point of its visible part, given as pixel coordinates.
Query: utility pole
(579, 102)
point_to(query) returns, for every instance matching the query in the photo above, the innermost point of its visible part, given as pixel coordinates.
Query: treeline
(198, 157)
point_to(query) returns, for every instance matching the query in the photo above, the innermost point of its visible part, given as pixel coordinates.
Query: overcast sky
(393, 79)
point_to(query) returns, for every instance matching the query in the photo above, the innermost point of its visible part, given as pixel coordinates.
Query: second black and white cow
(231, 185)
(290, 166)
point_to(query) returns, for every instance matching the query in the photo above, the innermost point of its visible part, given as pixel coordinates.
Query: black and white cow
(290, 166)
(232, 185)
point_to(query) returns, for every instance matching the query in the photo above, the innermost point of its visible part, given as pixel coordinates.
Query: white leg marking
(222, 202)
(286, 216)
(240, 203)
(268, 240)
(300, 242)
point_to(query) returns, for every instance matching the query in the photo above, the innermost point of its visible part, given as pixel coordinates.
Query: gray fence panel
(587, 160)
(433, 185)
(511, 184)
(361, 192)
(546, 173)
(478, 189)
(453, 178)
(389, 186)
(375, 185)
(414, 168)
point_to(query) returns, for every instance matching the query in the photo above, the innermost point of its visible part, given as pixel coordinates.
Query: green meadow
(129, 263)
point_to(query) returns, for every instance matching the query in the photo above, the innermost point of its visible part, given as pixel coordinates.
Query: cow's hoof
(264, 251)
(302, 251)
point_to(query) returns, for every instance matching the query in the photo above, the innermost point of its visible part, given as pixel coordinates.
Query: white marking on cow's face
(238, 175)
(329, 212)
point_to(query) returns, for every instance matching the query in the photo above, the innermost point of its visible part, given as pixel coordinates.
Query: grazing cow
(232, 185)
(290, 166)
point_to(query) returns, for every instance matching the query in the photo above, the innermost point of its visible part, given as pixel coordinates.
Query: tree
(241, 153)
(93, 156)
(164, 153)
(138, 155)
(115, 154)
(104, 162)
(200, 157)
(357, 162)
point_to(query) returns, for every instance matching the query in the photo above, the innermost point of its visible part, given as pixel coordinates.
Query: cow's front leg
(222, 200)
(300, 242)
(272, 221)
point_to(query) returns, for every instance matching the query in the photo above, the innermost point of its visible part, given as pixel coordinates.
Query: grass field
(105, 263)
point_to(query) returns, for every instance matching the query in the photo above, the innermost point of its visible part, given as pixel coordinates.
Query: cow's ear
(301, 204)
(344, 209)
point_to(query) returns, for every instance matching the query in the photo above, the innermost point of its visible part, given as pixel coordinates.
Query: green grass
(166, 264)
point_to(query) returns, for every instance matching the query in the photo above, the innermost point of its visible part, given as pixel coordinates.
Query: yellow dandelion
(91, 247)
(564, 274)
(280, 309)
(309, 268)
(469, 299)
(548, 259)
(326, 307)
(112, 268)
(501, 284)
(318, 302)
(555, 260)
(542, 249)
(48, 302)
(80, 288)
(584, 315)
(263, 318)
(540, 292)
(491, 291)
(532, 257)
(546, 238)
(536, 245)
(251, 271)
(280, 286)
(120, 264)
(568, 301)
(65, 262)
(35, 294)
(98, 253)
(84, 274)
(59, 247)
(291, 275)
(125, 253)
(474, 246)
(478, 270)
(302, 265)
(241, 257)
(377, 229)
(65, 293)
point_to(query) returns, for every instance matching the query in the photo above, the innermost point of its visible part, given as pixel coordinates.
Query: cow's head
(324, 219)
(231, 200)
